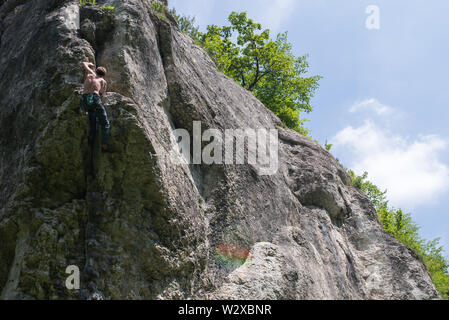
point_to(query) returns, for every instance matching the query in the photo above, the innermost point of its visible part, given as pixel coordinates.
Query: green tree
(186, 25)
(377, 197)
(267, 67)
(406, 231)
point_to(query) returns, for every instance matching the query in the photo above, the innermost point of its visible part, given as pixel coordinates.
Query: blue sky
(384, 97)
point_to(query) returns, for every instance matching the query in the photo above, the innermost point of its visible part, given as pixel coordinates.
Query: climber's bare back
(93, 83)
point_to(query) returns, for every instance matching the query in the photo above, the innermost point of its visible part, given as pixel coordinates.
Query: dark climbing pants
(97, 117)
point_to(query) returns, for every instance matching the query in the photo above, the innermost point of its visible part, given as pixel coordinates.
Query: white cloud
(372, 105)
(411, 171)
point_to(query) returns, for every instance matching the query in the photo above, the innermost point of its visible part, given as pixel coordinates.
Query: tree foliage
(264, 66)
(186, 25)
(94, 3)
(406, 231)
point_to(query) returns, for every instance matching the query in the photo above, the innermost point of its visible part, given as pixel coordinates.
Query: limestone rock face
(139, 225)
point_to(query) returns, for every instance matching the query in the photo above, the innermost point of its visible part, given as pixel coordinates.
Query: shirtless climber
(94, 87)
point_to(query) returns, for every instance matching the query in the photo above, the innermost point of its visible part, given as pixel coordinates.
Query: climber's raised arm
(88, 67)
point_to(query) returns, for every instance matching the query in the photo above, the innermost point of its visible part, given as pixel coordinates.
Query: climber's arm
(103, 88)
(88, 67)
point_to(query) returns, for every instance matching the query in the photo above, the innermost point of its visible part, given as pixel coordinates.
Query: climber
(95, 86)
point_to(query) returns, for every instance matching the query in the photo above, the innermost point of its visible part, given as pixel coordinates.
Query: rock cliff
(141, 226)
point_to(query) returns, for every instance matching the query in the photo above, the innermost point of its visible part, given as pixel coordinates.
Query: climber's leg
(87, 105)
(104, 122)
(92, 126)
